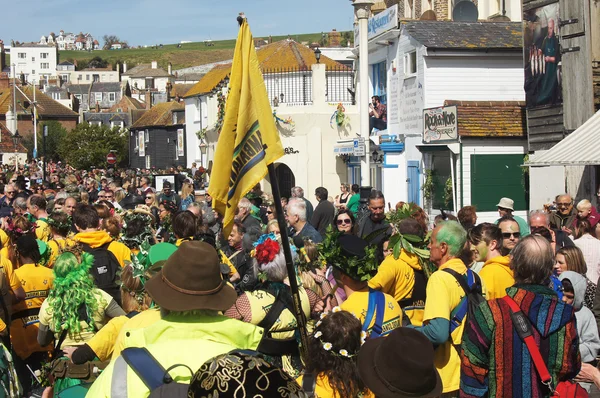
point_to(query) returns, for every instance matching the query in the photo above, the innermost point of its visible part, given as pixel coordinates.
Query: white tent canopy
(580, 148)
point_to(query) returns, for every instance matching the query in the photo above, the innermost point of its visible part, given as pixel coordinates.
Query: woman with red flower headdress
(271, 307)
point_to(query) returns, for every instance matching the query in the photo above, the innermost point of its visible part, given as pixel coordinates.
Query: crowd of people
(112, 286)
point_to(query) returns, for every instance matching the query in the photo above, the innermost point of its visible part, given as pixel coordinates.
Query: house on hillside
(157, 138)
(99, 96)
(37, 62)
(149, 78)
(122, 114)
(303, 95)
(116, 46)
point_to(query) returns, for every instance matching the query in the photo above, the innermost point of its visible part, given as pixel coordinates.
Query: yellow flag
(249, 140)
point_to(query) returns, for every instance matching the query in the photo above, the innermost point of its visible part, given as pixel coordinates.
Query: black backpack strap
(309, 383)
(269, 345)
(145, 366)
(276, 309)
(419, 291)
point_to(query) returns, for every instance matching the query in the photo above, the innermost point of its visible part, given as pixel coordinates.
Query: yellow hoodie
(99, 238)
(497, 276)
(397, 278)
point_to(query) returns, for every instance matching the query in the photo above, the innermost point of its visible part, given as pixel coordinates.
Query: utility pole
(45, 153)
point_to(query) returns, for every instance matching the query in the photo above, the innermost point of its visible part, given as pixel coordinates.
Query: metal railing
(340, 85)
(290, 86)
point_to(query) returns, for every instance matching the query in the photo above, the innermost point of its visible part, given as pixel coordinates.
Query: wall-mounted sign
(440, 124)
(359, 147)
(179, 142)
(380, 23)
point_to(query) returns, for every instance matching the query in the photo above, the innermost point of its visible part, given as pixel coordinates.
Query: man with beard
(376, 219)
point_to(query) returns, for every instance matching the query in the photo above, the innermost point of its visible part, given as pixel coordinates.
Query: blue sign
(380, 23)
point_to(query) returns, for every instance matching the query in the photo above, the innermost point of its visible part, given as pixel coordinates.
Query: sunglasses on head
(508, 235)
(341, 221)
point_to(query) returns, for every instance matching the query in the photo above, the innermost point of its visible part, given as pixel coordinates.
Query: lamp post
(16, 141)
(362, 11)
(318, 55)
(45, 153)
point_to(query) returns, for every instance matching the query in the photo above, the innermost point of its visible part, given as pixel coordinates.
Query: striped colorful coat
(494, 361)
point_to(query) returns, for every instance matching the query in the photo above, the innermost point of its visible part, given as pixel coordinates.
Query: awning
(344, 147)
(580, 148)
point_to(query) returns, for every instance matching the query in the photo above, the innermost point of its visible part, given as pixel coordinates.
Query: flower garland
(221, 100)
(146, 234)
(279, 120)
(16, 232)
(57, 225)
(327, 346)
(340, 117)
(266, 249)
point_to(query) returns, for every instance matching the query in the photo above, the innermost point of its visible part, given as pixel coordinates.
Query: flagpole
(300, 317)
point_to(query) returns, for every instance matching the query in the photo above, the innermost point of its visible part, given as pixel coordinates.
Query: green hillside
(190, 54)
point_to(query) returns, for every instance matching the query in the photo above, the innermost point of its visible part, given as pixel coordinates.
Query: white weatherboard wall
(486, 147)
(545, 183)
(473, 78)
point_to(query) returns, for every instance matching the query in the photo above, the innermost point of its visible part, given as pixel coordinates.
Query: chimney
(270, 39)
(4, 81)
(124, 67)
(148, 98)
(11, 122)
(97, 107)
(118, 69)
(170, 69)
(154, 64)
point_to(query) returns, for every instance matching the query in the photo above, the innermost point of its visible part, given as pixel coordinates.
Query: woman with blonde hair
(570, 258)
(152, 203)
(187, 195)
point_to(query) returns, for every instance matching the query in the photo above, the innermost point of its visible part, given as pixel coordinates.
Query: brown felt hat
(191, 280)
(399, 365)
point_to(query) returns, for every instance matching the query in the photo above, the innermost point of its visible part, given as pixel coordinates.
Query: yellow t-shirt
(42, 232)
(140, 321)
(103, 342)
(444, 294)
(47, 318)
(323, 388)
(9, 271)
(358, 303)
(56, 245)
(496, 275)
(36, 281)
(396, 277)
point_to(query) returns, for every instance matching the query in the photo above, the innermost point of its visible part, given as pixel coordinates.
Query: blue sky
(149, 22)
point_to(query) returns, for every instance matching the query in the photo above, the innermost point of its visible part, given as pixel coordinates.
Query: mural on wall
(542, 56)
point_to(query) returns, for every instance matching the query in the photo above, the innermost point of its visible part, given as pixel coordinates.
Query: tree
(87, 145)
(56, 134)
(109, 40)
(97, 62)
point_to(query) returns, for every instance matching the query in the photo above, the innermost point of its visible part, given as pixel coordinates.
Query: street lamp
(318, 54)
(16, 141)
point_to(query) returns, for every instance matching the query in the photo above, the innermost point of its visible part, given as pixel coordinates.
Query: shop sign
(440, 124)
(380, 23)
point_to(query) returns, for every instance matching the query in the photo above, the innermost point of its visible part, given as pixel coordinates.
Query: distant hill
(189, 54)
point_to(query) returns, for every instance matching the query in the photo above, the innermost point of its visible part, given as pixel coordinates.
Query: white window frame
(112, 97)
(43, 55)
(146, 136)
(22, 55)
(98, 97)
(410, 64)
(45, 65)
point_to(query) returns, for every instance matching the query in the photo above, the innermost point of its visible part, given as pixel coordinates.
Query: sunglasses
(269, 212)
(344, 221)
(563, 204)
(149, 197)
(508, 235)
(9, 192)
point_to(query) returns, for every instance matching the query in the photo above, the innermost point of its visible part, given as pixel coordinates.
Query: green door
(497, 176)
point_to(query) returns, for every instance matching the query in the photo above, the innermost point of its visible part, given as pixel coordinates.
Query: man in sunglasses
(564, 216)
(9, 195)
(511, 234)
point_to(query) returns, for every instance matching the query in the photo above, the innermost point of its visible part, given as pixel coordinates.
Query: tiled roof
(284, 54)
(210, 80)
(179, 90)
(78, 88)
(126, 104)
(160, 115)
(490, 118)
(6, 143)
(466, 35)
(145, 70)
(46, 105)
(67, 63)
(113, 87)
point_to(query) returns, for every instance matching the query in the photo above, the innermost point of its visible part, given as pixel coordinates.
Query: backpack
(105, 270)
(154, 376)
(522, 325)
(268, 344)
(10, 387)
(473, 297)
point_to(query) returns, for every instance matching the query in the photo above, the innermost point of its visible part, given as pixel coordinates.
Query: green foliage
(358, 269)
(56, 134)
(448, 192)
(428, 185)
(97, 62)
(88, 145)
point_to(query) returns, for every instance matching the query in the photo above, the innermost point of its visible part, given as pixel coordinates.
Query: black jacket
(323, 216)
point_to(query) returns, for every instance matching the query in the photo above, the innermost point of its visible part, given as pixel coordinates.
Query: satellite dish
(465, 11)
(428, 15)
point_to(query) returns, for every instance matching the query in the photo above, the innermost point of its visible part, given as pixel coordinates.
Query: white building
(431, 64)
(304, 96)
(36, 61)
(71, 41)
(146, 77)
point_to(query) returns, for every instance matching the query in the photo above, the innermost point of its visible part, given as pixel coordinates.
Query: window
(146, 136)
(98, 97)
(379, 79)
(410, 64)
(22, 55)
(33, 71)
(55, 96)
(111, 97)
(32, 59)
(148, 164)
(44, 65)
(65, 77)
(44, 55)
(78, 96)
(87, 77)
